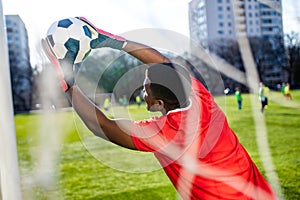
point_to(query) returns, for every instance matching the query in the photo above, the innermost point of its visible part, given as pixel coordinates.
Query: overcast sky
(119, 16)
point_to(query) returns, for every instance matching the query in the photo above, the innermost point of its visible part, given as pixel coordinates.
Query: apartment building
(221, 20)
(19, 61)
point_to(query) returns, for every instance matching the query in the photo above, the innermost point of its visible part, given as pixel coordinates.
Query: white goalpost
(9, 170)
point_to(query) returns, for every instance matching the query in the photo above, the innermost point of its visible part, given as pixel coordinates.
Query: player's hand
(64, 67)
(104, 39)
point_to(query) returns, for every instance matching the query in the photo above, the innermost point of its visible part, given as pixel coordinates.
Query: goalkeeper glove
(104, 39)
(64, 67)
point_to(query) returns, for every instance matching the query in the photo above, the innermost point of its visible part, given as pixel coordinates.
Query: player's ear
(160, 104)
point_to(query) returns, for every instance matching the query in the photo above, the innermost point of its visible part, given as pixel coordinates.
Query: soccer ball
(226, 91)
(68, 31)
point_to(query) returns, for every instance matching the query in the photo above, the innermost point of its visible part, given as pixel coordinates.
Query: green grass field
(86, 167)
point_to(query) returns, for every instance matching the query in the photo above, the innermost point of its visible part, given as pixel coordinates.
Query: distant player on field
(106, 103)
(263, 92)
(138, 100)
(238, 97)
(192, 140)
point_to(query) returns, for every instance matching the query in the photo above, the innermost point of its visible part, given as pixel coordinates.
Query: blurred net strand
(46, 154)
(213, 61)
(259, 120)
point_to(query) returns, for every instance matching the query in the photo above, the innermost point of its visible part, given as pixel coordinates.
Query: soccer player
(192, 140)
(138, 100)
(106, 103)
(287, 92)
(263, 92)
(238, 97)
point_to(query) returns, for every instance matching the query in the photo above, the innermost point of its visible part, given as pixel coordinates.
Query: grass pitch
(60, 159)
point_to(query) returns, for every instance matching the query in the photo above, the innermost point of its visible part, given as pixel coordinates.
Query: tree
(106, 70)
(21, 81)
(269, 57)
(292, 42)
(228, 50)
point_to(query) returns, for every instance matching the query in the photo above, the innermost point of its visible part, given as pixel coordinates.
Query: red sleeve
(151, 135)
(142, 132)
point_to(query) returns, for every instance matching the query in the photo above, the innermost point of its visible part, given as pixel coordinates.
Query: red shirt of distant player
(200, 153)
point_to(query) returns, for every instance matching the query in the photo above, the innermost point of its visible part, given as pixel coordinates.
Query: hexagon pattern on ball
(69, 33)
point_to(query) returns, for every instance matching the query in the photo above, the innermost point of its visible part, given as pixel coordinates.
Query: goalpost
(9, 170)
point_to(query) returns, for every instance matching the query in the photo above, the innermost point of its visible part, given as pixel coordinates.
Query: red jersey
(199, 152)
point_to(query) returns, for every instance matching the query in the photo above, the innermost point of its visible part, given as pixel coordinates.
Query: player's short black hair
(171, 83)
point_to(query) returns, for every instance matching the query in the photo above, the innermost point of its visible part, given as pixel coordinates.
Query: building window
(220, 16)
(275, 30)
(9, 30)
(9, 39)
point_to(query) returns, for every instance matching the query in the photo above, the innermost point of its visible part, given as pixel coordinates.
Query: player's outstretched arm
(116, 131)
(144, 53)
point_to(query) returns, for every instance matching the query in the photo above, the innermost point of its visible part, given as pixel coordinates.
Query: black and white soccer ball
(64, 33)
